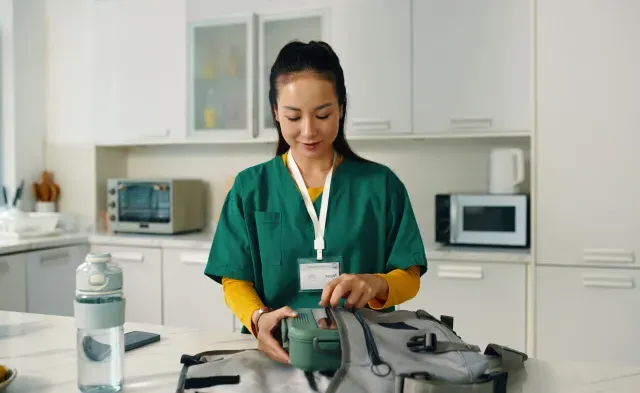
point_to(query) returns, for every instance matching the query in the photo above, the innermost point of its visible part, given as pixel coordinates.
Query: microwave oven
(156, 206)
(490, 220)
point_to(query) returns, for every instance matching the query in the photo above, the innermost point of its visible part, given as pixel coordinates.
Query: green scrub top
(264, 228)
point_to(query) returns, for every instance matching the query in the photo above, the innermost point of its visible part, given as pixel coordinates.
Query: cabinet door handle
(53, 257)
(595, 280)
(466, 123)
(194, 258)
(613, 256)
(128, 256)
(371, 124)
(461, 272)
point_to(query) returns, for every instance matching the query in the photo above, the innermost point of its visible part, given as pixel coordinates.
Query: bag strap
(199, 358)
(508, 358)
(429, 343)
(407, 384)
(505, 360)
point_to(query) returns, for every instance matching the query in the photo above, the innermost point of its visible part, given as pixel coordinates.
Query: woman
(317, 225)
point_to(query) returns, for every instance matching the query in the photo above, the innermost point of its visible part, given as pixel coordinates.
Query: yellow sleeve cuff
(404, 285)
(242, 298)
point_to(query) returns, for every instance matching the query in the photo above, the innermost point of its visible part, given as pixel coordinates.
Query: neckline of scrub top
(291, 186)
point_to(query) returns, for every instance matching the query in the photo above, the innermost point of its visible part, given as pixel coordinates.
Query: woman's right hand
(267, 323)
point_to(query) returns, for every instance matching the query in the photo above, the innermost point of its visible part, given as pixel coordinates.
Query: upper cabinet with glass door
(221, 78)
(276, 30)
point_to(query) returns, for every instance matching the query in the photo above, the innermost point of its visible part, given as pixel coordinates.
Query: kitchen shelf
(266, 139)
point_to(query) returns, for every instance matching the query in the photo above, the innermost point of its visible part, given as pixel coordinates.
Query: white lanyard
(318, 223)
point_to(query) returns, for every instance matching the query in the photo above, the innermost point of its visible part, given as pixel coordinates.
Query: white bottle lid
(105, 277)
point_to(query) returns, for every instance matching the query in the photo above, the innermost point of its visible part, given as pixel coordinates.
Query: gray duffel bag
(396, 352)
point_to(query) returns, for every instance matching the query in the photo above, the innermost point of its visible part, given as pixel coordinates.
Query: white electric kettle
(507, 170)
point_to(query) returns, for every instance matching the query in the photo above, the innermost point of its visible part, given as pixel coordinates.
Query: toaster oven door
(144, 202)
(490, 220)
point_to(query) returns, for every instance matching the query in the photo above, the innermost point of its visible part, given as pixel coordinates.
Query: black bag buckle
(423, 343)
(189, 360)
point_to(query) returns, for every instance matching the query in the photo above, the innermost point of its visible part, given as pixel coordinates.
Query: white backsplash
(425, 167)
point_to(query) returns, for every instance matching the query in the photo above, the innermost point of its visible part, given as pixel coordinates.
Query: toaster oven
(156, 206)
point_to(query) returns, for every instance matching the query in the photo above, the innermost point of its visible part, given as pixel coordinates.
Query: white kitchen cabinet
(51, 279)
(471, 66)
(587, 133)
(373, 40)
(13, 283)
(486, 300)
(142, 277)
(192, 299)
(139, 70)
(276, 29)
(586, 314)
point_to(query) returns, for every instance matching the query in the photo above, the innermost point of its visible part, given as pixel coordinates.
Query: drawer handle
(127, 256)
(194, 258)
(471, 123)
(371, 124)
(596, 255)
(604, 281)
(53, 257)
(462, 272)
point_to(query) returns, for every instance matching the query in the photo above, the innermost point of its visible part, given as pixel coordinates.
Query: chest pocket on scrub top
(269, 232)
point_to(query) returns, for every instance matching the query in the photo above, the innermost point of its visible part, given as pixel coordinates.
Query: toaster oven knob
(112, 205)
(112, 191)
(112, 217)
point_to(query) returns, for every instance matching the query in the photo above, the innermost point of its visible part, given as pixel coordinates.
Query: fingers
(285, 312)
(327, 291)
(337, 289)
(365, 298)
(340, 291)
(270, 347)
(358, 290)
(322, 323)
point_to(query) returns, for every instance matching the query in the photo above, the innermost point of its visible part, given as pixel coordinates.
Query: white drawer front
(142, 274)
(13, 283)
(192, 299)
(588, 314)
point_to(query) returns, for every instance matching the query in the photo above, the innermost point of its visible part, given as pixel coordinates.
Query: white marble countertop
(202, 241)
(198, 240)
(42, 349)
(10, 245)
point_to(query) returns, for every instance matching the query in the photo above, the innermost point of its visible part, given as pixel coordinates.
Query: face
(309, 114)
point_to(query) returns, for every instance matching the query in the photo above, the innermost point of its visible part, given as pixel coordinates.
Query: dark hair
(319, 57)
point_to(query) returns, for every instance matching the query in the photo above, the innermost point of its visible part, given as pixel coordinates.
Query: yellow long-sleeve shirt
(242, 298)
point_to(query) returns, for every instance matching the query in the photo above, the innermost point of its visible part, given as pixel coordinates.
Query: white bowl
(16, 221)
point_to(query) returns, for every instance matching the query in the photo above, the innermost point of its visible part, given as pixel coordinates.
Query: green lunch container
(312, 340)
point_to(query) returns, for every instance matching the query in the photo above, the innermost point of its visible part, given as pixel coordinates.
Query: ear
(341, 111)
(276, 114)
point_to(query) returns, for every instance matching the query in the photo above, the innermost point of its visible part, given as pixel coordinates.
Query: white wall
(24, 97)
(69, 151)
(7, 117)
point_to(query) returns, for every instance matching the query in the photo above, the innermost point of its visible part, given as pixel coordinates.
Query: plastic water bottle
(99, 313)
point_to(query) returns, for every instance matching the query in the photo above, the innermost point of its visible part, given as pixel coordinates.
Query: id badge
(314, 274)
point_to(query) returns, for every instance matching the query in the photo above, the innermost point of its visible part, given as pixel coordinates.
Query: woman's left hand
(359, 289)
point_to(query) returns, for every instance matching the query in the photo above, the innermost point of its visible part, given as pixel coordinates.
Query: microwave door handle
(453, 226)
